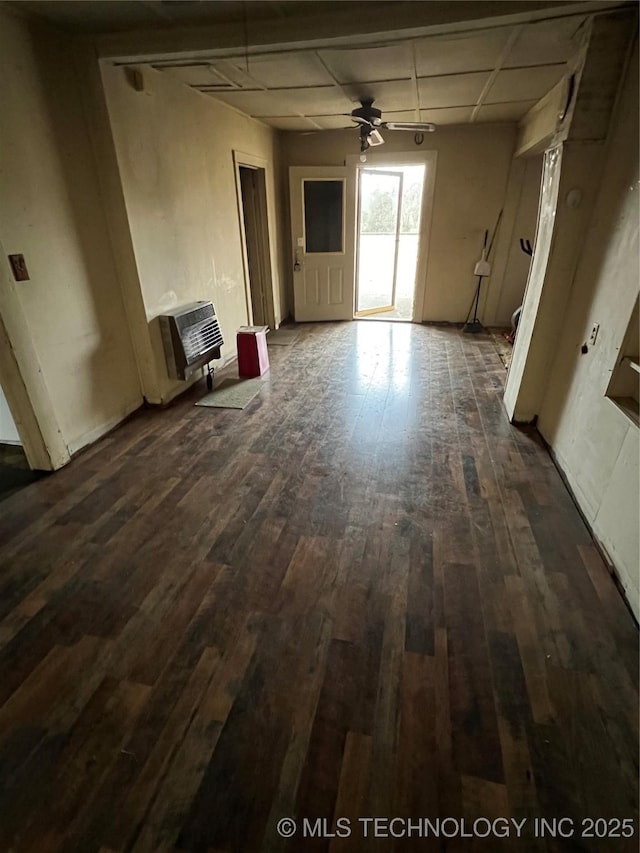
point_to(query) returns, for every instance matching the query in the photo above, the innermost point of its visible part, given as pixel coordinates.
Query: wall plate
(19, 267)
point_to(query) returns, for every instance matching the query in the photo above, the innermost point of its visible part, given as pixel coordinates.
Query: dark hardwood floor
(366, 594)
(14, 470)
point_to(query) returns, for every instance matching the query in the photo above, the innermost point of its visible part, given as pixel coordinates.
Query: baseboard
(96, 434)
(534, 423)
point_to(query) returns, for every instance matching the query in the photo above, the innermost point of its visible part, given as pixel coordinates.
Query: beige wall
(175, 153)
(67, 324)
(510, 263)
(472, 174)
(595, 444)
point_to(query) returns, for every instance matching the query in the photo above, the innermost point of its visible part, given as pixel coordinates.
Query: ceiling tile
(545, 43)
(329, 100)
(454, 115)
(392, 95)
(477, 52)
(389, 62)
(523, 84)
(256, 103)
(235, 71)
(277, 71)
(332, 122)
(201, 74)
(504, 112)
(453, 90)
(287, 123)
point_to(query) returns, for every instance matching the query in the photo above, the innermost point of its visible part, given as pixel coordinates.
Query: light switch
(300, 242)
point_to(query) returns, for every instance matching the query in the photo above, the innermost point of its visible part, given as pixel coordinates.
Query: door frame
(265, 236)
(23, 384)
(428, 159)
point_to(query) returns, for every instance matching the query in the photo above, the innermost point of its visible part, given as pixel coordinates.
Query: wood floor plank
(353, 789)
(473, 712)
(417, 785)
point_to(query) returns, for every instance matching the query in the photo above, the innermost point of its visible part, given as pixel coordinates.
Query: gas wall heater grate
(191, 338)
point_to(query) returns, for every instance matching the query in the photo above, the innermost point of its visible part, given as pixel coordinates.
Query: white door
(323, 222)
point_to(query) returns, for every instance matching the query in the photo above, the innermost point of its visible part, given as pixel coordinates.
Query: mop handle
(495, 231)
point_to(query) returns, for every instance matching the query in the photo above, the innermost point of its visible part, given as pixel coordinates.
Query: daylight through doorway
(390, 201)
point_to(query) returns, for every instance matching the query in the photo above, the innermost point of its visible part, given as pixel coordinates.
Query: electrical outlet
(19, 267)
(594, 333)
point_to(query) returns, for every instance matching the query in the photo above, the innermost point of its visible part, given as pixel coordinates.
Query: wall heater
(191, 338)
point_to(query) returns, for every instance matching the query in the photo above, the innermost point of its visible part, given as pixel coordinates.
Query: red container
(253, 355)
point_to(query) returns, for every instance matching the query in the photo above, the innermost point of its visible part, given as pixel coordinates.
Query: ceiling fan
(369, 120)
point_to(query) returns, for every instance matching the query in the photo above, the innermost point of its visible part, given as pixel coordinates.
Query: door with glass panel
(379, 201)
(323, 236)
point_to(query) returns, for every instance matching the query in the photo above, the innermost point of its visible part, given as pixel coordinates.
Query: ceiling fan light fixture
(369, 121)
(364, 138)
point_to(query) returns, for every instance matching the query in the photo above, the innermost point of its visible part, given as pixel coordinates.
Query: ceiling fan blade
(375, 138)
(415, 126)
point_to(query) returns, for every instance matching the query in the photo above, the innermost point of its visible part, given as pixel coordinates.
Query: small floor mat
(232, 394)
(283, 337)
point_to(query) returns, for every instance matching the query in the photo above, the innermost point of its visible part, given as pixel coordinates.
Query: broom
(482, 270)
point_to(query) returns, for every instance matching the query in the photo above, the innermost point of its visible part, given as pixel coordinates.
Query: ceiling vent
(201, 75)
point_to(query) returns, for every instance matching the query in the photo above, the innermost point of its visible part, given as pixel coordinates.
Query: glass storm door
(379, 202)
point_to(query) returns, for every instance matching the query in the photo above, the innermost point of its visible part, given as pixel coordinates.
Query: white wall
(175, 153)
(595, 444)
(70, 315)
(472, 174)
(8, 431)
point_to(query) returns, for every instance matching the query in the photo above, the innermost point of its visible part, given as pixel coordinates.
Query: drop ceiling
(492, 70)
(494, 75)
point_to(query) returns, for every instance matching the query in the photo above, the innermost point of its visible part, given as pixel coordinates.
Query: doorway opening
(14, 467)
(255, 234)
(389, 217)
